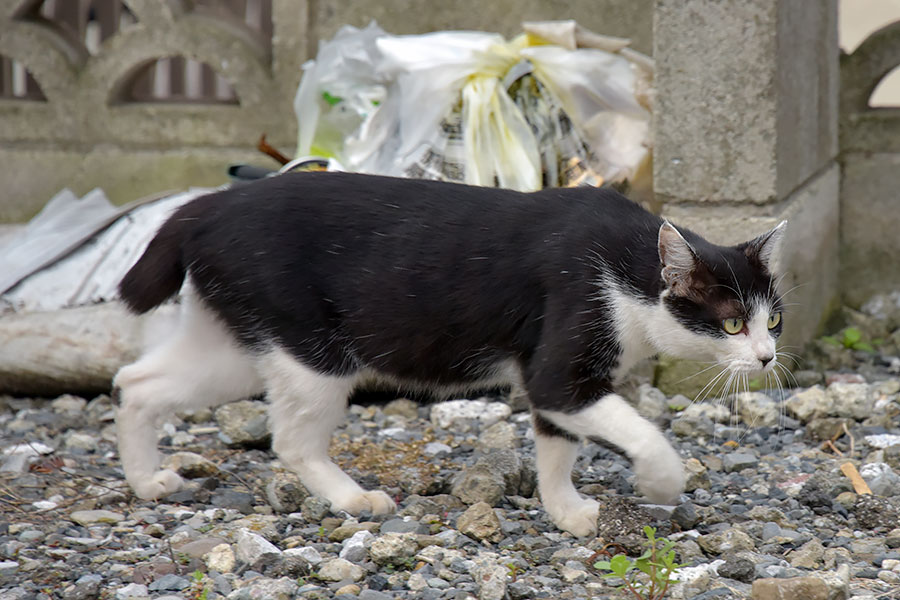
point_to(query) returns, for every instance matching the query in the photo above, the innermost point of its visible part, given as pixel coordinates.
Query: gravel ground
(768, 512)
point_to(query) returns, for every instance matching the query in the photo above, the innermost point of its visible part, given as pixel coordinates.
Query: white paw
(578, 517)
(660, 476)
(161, 484)
(375, 502)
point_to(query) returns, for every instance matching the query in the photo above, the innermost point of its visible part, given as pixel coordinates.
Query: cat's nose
(766, 359)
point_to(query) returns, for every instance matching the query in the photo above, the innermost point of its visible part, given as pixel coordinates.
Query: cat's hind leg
(557, 451)
(658, 467)
(199, 366)
(305, 408)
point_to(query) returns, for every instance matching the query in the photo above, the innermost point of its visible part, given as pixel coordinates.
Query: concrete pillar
(746, 133)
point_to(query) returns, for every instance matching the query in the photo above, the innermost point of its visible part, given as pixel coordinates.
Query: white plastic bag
(444, 109)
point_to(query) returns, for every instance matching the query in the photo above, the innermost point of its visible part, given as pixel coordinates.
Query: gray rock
(730, 540)
(697, 477)
(757, 409)
(480, 522)
(316, 508)
(339, 569)
(808, 556)
(435, 448)
(769, 531)
(867, 549)
(132, 590)
(170, 582)
(685, 516)
(233, 499)
(283, 588)
(872, 512)
(463, 415)
(285, 493)
(251, 548)
(490, 579)
(738, 568)
(78, 441)
(306, 553)
(402, 407)
(651, 403)
(8, 567)
(87, 587)
(479, 484)
(851, 400)
(499, 436)
(808, 588)
(393, 548)
(403, 525)
(693, 425)
(244, 423)
(882, 479)
(809, 403)
(200, 547)
(94, 517)
(738, 461)
(355, 548)
(374, 595)
(190, 465)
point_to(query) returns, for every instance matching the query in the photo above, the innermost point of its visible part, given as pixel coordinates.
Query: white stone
(809, 403)
(460, 414)
(252, 547)
(435, 448)
(757, 409)
(416, 582)
(338, 569)
(692, 574)
(355, 547)
(851, 399)
(132, 590)
(221, 558)
(882, 479)
(490, 579)
(307, 553)
(882, 440)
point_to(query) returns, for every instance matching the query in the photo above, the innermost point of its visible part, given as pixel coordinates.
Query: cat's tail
(159, 272)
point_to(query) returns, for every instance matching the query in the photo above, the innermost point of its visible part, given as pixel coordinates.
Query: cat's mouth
(751, 367)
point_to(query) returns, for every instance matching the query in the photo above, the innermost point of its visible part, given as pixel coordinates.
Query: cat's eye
(774, 320)
(733, 326)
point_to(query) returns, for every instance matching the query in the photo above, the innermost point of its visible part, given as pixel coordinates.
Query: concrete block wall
(870, 156)
(746, 135)
(87, 134)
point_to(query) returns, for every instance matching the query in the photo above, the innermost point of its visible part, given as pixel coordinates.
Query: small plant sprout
(851, 338)
(657, 563)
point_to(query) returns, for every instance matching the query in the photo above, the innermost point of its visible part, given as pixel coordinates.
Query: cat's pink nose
(766, 359)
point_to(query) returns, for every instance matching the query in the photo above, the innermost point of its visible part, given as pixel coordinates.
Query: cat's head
(723, 298)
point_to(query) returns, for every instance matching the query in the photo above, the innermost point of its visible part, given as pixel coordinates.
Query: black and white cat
(308, 286)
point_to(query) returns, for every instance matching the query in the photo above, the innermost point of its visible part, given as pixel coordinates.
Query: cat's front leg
(658, 467)
(556, 454)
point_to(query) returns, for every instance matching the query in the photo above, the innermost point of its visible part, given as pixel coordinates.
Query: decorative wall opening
(177, 79)
(887, 91)
(17, 83)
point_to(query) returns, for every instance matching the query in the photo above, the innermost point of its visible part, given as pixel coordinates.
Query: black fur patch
(424, 281)
(544, 427)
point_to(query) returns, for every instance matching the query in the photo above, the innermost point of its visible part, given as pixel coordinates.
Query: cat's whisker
(702, 371)
(709, 387)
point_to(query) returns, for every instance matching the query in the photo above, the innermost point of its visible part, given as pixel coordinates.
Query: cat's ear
(680, 264)
(764, 249)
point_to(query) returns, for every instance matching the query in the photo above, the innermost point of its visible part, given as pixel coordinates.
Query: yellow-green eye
(774, 320)
(733, 326)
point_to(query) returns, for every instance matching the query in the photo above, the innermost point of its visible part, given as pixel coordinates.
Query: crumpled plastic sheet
(406, 105)
(75, 252)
